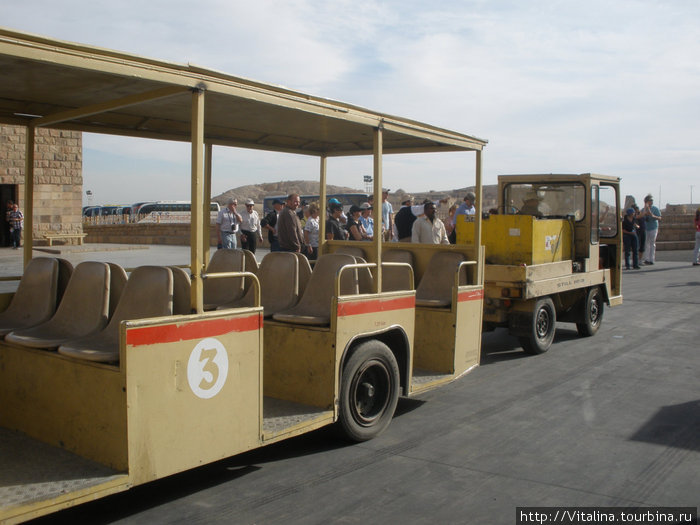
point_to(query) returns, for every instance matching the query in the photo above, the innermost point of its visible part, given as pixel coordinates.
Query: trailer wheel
(592, 312)
(369, 391)
(541, 327)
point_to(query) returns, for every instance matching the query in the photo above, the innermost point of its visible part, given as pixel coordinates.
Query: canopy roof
(72, 86)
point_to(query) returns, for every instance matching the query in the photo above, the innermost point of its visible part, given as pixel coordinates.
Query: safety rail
(371, 266)
(355, 266)
(462, 265)
(223, 275)
(402, 265)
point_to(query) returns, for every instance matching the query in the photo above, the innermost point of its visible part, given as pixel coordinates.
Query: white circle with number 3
(207, 368)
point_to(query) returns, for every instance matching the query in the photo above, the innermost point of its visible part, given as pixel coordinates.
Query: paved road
(612, 420)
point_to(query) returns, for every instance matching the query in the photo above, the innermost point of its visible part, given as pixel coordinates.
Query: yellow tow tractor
(553, 253)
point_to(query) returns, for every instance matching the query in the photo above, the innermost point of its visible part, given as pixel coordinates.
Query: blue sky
(555, 86)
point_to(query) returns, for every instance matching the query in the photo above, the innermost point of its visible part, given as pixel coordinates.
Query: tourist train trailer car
(109, 381)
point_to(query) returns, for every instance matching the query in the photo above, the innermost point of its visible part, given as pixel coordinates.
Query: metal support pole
(479, 217)
(378, 237)
(197, 256)
(323, 213)
(29, 194)
(206, 235)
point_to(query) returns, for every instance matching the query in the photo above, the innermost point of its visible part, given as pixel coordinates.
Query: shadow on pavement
(675, 426)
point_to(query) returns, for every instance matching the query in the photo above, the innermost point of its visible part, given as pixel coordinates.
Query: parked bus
(107, 214)
(170, 211)
(169, 370)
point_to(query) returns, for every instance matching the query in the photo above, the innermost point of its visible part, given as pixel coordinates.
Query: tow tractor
(553, 253)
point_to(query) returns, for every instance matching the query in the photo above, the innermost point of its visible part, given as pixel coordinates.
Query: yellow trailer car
(169, 369)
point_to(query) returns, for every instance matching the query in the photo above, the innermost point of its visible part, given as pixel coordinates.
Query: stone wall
(58, 176)
(149, 233)
(676, 232)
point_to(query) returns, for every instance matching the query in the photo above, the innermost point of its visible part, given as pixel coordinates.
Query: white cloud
(611, 87)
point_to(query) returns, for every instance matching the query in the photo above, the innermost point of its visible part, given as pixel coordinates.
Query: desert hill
(258, 192)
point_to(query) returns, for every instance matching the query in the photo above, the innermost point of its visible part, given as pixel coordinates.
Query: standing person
(696, 252)
(387, 215)
(652, 216)
(228, 223)
(366, 220)
(270, 224)
(311, 232)
(16, 220)
(629, 239)
(428, 229)
(355, 230)
(334, 232)
(641, 230)
(466, 208)
(289, 232)
(450, 226)
(251, 231)
(404, 220)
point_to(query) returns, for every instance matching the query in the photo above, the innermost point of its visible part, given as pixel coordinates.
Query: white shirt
(312, 227)
(427, 232)
(250, 221)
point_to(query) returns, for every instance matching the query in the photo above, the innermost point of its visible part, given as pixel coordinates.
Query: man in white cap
(227, 225)
(251, 232)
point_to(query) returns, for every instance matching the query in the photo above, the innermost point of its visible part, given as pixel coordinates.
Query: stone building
(58, 179)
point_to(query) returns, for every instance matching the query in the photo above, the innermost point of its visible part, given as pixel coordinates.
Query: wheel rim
(369, 392)
(543, 323)
(594, 310)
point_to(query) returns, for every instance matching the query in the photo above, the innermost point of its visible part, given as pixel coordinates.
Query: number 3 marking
(207, 368)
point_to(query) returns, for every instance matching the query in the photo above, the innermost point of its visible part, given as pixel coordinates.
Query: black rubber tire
(369, 391)
(592, 309)
(542, 325)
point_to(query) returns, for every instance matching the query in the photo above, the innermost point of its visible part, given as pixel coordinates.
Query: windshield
(546, 200)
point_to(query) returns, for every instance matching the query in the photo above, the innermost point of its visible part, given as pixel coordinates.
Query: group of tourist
(296, 229)
(292, 229)
(639, 231)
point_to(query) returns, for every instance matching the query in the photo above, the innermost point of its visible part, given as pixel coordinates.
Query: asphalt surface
(612, 420)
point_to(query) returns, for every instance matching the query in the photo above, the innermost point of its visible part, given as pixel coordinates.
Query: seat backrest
(182, 286)
(315, 304)
(250, 263)
(117, 282)
(355, 251)
(65, 270)
(85, 305)
(304, 272)
(279, 282)
(35, 299)
(148, 293)
(435, 287)
(221, 291)
(396, 278)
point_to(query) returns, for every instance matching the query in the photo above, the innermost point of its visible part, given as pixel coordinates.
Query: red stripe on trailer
(473, 295)
(171, 333)
(370, 306)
